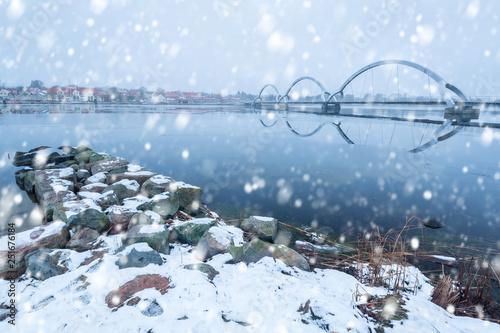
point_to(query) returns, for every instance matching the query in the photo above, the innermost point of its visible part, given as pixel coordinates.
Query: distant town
(38, 93)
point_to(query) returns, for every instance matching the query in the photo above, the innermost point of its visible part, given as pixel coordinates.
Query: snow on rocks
(217, 240)
(190, 232)
(124, 188)
(53, 235)
(156, 185)
(156, 236)
(265, 228)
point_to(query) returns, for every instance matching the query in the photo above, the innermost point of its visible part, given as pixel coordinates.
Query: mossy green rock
(189, 196)
(236, 252)
(155, 236)
(258, 249)
(164, 204)
(264, 228)
(204, 268)
(190, 232)
(89, 218)
(156, 185)
(84, 156)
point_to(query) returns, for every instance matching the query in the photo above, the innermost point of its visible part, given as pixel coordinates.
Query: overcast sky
(226, 45)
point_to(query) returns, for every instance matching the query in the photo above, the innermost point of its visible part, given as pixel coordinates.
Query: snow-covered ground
(259, 297)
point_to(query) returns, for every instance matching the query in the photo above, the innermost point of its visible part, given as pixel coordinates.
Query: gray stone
(140, 176)
(123, 189)
(145, 218)
(84, 156)
(135, 258)
(53, 235)
(89, 218)
(119, 219)
(20, 175)
(105, 165)
(217, 240)
(97, 178)
(156, 185)
(63, 158)
(258, 249)
(165, 204)
(204, 268)
(190, 232)
(83, 240)
(189, 196)
(264, 228)
(153, 309)
(23, 158)
(156, 236)
(53, 199)
(94, 187)
(82, 174)
(41, 264)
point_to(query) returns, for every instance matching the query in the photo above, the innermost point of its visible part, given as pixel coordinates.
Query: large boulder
(190, 232)
(52, 200)
(156, 185)
(24, 159)
(265, 228)
(130, 171)
(165, 204)
(89, 218)
(94, 187)
(145, 218)
(119, 218)
(83, 240)
(104, 200)
(84, 156)
(54, 180)
(96, 178)
(43, 264)
(105, 165)
(155, 235)
(217, 240)
(138, 255)
(257, 249)
(124, 189)
(189, 196)
(53, 235)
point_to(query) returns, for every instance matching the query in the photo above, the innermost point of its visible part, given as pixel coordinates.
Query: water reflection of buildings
(389, 128)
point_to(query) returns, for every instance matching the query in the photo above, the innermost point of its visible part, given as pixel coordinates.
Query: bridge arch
(442, 84)
(269, 85)
(324, 94)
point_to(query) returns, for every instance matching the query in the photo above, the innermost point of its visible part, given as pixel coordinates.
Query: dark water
(354, 170)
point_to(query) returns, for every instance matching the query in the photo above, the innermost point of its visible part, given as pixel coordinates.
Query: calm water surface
(366, 167)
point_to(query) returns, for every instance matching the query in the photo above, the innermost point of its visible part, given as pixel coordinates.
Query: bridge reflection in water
(412, 129)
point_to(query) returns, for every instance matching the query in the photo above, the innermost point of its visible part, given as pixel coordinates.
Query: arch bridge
(457, 103)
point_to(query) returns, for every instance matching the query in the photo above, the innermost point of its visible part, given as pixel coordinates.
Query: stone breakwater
(94, 203)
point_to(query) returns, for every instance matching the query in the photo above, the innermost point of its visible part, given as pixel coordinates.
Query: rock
(217, 240)
(79, 149)
(53, 235)
(118, 297)
(123, 189)
(84, 156)
(23, 159)
(119, 218)
(71, 208)
(82, 174)
(67, 149)
(54, 180)
(137, 256)
(29, 182)
(103, 200)
(432, 223)
(43, 264)
(257, 249)
(190, 232)
(64, 158)
(89, 218)
(145, 218)
(165, 204)
(20, 175)
(53, 199)
(105, 165)
(94, 187)
(139, 176)
(204, 268)
(83, 240)
(236, 252)
(156, 185)
(264, 228)
(51, 158)
(97, 178)
(38, 149)
(189, 196)
(156, 236)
